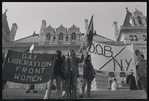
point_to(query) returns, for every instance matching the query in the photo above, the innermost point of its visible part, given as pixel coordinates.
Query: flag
(88, 37)
(30, 49)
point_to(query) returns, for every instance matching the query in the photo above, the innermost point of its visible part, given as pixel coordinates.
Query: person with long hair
(88, 76)
(72, 73)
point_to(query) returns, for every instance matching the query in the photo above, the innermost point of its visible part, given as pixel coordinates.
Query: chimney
(115, 28)
(43, 26)
(86, 25)
(13, 31)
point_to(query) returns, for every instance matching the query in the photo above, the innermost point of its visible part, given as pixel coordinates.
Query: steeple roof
(5, 25)
(61, 27)
(49, 28)
(73, 27)
(127, 18)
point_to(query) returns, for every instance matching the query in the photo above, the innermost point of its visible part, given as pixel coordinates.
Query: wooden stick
(48, 90)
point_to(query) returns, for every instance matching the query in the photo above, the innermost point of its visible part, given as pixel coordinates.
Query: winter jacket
(88, 71)
(130, 80)
(142, 68)
(58, 66)
(72, 63)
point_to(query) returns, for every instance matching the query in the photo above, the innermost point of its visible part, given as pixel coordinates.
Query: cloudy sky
(29, 15)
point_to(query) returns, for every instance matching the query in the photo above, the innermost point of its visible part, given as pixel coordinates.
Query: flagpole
(48, 90)
(88, 37)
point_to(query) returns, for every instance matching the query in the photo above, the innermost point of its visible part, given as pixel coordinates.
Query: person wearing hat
(131, 82)
(114, 85)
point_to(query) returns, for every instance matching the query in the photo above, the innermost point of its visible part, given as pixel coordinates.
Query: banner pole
(49, 87)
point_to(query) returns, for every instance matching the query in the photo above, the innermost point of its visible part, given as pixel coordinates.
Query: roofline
(130, 28)
(104, 37)
(26, 37)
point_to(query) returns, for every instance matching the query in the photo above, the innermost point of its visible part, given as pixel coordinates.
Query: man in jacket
(58, 72)
(142, 72)
(72, 72)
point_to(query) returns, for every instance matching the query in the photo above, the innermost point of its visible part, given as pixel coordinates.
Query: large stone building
(50, 39)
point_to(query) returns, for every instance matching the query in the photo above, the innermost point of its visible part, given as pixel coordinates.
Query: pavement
(10, 93)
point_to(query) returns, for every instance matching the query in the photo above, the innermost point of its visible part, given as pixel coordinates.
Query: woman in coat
(130, 80)
(88, 75)
(72, 72)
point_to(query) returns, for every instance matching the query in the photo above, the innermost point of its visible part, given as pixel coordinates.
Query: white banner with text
(116, 58)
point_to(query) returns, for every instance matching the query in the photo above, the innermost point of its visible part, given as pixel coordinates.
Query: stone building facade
(49, 39)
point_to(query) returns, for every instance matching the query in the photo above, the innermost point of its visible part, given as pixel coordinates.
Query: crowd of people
(66, 73)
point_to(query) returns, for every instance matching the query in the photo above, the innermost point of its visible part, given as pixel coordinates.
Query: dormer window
(144, 37)
(66, 37)
(53, 38)
(139, 20)
(131, 38)
(48, 36)
(61, 36)
(135, 38)
(73, 36)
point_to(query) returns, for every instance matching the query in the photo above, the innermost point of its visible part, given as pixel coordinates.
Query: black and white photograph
(74, 50)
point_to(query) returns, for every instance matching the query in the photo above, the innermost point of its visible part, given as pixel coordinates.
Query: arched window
(131, 38)
(144, 37)
(135, 38)
(48, 36)
(53, 38)
(73, 36)
(66, 37)
(61, 36)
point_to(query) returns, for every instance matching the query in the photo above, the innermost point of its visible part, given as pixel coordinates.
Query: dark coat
(72, 63)
(88, 71)
(130, 80)
(58, 66)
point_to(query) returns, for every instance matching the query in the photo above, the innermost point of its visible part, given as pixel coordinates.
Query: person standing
(72, 72)
(63, 79)
(131, 82)
(58, 72)
(3, 81)
(114, 85)
(142, 72)
(88, 76)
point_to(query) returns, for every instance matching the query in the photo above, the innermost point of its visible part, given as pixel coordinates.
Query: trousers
(71, 86)
(88, 83)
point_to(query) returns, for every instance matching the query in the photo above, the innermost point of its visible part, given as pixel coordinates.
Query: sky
(29, 15)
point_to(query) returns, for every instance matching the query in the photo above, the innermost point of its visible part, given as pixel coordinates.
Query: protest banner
(113, 58)
(28, 68)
